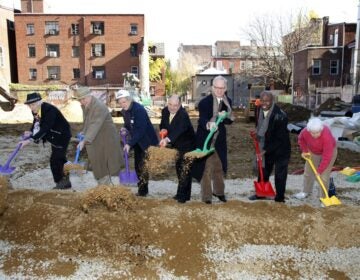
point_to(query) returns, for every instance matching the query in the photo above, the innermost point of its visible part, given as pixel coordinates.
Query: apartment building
(8, 69)
(86, 49)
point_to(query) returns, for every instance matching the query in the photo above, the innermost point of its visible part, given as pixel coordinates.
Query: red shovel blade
(264, 189)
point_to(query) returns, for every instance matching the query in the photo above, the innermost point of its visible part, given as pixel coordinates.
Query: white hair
(315, 125)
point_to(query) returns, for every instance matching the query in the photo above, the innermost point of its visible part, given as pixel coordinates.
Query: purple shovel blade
(7, 169)
(127, 177)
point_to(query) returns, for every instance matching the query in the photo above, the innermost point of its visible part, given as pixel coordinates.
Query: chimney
(32, 6)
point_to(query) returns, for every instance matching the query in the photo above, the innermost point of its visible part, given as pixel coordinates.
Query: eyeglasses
(221, 88)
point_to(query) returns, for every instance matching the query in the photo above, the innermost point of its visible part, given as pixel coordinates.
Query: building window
(76, 73)
(31, 50)
(97, 28)
(75, 51)
(97, 49)
(52, 50)
(316, 67)
(334, 67)
(32, 74)
(53, 72)
(51, 28)
(135, 71)
(75, 29)
(219, 65)
(30, 29)
(134, 50)
(242, 65)
(133, 29)
(98, 72)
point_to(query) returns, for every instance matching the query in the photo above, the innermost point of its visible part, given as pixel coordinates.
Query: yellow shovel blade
(329, 201)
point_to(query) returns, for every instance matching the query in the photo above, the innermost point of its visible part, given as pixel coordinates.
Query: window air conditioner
(53, 76)
(97, 53)
(52, 31)
(133, 32)
(52, 54)
(97, 31)
(98, 75)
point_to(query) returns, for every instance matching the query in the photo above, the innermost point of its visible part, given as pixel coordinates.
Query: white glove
(211, 125)
(164, 142)
(127, 148)
(81, 145)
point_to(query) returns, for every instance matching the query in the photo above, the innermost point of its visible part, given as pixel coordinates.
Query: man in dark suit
(210, 170)
(181, 136)
(49, 125)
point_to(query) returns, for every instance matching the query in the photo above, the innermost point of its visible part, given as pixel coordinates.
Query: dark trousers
(281, 171)
(141, 171)
(57, 161)
(183, 172)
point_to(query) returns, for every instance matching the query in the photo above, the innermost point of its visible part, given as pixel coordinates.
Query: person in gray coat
(101, 139)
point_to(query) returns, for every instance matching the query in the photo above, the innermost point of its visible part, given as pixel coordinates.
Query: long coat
(54, 128)
(102, 140)
(180, 130)
(205, 114)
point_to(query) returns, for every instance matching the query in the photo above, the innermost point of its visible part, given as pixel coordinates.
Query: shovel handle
(14, 153)
(123, 133)
(307, 157)
(77, 155)
(219, 119)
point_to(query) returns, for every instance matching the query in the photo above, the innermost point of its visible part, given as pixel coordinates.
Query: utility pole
(357, 55)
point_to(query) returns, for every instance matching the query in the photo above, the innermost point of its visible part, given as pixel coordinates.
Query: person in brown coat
(101, 139)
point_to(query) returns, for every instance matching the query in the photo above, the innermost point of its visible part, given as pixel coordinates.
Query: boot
(63, 184)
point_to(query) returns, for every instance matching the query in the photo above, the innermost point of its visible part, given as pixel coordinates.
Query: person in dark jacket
(181, 136)
(211, 169)
(274, 140)
(142, 135)
(49, 125)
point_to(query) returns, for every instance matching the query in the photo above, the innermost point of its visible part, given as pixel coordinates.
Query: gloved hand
(164, 142)
(81, 145)
(211, 125)
(222, 114)
(127, 148)
(24, 143)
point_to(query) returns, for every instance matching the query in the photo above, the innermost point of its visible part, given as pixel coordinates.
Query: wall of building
(117, 39)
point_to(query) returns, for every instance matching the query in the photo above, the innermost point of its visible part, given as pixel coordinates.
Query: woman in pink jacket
(316, 139)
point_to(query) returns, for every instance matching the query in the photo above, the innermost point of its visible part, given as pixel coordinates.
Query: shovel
(327, 201)
(163, 133)
(127, 177)
(6, 169)
(75, 165)
(262, 189)
(200, 153)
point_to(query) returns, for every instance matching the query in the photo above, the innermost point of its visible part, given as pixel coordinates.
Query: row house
(91, 49)
(324, 68)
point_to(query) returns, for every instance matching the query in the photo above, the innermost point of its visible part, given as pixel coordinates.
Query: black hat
(32, 97)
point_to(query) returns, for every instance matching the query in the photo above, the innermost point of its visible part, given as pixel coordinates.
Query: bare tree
(274, 40)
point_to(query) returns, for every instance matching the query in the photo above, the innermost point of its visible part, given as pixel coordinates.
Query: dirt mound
(113, 198)
(295, 113)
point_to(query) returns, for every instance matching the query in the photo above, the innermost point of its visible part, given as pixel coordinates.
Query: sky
(196, 22)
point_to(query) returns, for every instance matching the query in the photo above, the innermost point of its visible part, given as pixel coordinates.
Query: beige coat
(102, 140)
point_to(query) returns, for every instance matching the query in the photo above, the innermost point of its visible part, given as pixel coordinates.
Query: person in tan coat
(101, 139)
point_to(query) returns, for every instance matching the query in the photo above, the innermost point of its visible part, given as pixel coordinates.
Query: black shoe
(181, 200)
(255, 197)
(175, 197)
(208, 202)
(278, 199)
(62, 185)
(141, 194)
(220, 197)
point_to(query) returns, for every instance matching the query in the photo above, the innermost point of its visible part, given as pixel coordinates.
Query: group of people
(102, 141)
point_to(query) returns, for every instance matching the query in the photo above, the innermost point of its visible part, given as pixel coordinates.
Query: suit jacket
(54, 128)
(180, 131)
(138, 123)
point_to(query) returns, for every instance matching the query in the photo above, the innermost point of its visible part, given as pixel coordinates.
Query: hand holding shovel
(164, 140)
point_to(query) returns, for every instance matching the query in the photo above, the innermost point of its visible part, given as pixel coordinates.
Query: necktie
(171, 117)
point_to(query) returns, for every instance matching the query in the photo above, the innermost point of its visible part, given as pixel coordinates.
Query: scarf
(263, 124)
(217, 106)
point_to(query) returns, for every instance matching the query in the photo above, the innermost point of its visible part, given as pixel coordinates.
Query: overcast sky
(199, 21)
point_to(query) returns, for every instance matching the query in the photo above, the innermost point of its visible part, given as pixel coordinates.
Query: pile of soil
(295, 113)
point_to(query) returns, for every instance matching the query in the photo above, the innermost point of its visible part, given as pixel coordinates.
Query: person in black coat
(274, 140)
(142, 135)
(181, 136)
(210, 170)
(49, 125)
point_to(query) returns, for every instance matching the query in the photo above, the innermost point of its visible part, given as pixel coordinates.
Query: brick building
(87, 49)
